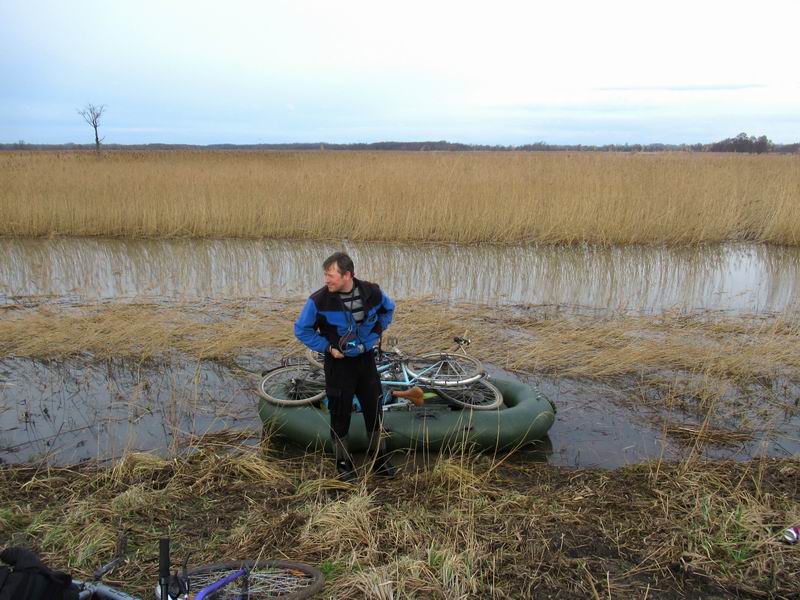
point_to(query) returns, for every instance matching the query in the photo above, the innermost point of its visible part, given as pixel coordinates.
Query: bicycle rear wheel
(443, 369)
(293, 385)
(481, 395)
(266, 579)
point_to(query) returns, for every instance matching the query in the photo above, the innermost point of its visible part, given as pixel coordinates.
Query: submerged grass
(468, 526)
(600, 198)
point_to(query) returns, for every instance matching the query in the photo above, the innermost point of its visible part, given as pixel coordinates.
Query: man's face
(336, 282)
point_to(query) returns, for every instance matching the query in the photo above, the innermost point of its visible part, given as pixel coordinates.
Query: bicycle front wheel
(443, 369)
(481, 395)
(294, 385)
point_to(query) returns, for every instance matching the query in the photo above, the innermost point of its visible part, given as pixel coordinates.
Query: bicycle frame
(395, 361)
(95, 589)
(105, 592)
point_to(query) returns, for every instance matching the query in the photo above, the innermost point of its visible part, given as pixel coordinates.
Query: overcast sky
(342, 71)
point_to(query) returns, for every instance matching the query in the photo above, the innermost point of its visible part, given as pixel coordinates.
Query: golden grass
(687, 529)
(766, 347)
(602, 198)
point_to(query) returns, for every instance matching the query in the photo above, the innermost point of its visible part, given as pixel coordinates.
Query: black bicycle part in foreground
(248, 579)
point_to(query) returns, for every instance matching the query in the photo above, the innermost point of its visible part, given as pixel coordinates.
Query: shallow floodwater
(68, 411)
(733, 277)
(65, 412)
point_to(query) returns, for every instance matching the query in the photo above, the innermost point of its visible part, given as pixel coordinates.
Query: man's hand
(335, 353)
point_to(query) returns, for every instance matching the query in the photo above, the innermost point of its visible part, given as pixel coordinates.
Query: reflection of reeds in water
(466, 526)
(491, 197)
(739, 277)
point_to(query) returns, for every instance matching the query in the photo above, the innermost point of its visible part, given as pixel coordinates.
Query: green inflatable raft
(526, 416)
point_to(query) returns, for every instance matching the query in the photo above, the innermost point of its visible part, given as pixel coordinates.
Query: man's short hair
(342, 261)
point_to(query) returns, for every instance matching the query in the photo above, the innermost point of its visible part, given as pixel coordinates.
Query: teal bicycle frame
(396, 364)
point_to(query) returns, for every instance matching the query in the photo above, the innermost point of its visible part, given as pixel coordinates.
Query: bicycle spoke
(481, 395)
(443, 369)
(270, 579)
(439, 370)
(261, 583)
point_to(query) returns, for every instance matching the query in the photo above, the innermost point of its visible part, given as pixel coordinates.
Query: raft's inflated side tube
(525, 417)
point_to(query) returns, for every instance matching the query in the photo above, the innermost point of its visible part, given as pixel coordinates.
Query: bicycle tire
(455, 369)
(315, 359)
(293, 385)
(480, 395)
(267, 579)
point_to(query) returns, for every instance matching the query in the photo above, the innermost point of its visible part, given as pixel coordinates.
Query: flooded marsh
(127, 374)
(628, 388)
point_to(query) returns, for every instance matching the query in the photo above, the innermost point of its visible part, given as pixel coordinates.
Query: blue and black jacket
(324, 319)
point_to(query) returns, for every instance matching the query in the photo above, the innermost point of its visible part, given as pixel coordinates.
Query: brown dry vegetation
(602, 198)
(738, 348)
(464, 527)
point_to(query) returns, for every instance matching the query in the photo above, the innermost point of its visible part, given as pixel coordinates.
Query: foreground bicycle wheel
(443, 369)
(293, 385)
(266, 579)
(480, 395)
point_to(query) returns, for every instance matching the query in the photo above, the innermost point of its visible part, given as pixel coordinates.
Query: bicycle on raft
(455, 377)
(226, 580)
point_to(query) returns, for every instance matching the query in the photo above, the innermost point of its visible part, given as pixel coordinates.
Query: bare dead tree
(91, 114)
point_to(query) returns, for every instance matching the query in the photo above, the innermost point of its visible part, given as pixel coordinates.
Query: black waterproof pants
(346, 377)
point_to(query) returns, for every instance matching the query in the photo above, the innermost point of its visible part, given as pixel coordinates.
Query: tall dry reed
(601, 198)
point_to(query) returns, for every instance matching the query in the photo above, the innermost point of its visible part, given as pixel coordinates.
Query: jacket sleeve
(385, 313)
(304, 328)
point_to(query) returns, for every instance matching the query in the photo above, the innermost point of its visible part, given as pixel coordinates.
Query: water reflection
(733, 277)
(66, 412)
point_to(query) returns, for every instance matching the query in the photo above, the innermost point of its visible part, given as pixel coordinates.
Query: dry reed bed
(736, 348)
(602, 198)
(463, 527)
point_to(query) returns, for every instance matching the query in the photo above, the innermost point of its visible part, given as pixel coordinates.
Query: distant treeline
(740, 143)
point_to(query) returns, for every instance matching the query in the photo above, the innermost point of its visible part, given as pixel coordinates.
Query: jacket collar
(364, 289)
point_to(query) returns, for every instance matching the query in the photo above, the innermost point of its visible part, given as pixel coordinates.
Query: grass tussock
(516, 529)
(600, 198)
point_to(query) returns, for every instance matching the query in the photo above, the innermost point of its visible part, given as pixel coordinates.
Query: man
(345, 319)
